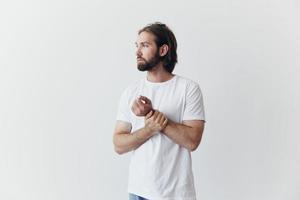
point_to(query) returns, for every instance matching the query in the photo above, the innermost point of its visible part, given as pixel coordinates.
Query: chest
(168, 100)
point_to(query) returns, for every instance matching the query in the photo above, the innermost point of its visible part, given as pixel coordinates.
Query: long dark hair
(163, 35)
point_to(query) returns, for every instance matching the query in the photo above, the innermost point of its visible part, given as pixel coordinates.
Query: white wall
(64, 64)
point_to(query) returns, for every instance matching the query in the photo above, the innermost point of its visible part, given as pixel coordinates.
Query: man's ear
(163, 50)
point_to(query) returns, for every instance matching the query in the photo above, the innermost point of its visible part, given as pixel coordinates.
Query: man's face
(147, 53)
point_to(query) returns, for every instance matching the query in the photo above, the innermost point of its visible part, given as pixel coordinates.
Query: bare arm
(125, 142)
(188, 134)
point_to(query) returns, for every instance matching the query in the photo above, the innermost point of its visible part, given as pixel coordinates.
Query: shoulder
(188, 83)
(132, 87)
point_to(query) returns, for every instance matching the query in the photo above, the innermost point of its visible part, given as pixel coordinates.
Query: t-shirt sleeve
(194, 108)
(123, 113)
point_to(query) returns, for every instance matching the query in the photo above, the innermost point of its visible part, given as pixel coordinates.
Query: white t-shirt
(161, 169)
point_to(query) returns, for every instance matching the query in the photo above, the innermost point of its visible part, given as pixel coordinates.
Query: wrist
(149, 132)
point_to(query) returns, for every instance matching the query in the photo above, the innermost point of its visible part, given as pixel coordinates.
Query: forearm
(128, 142)
(183, 135)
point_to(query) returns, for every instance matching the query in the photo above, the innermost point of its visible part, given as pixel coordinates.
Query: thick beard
(148, 65)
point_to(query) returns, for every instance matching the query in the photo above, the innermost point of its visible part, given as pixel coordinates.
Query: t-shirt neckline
(160, 83)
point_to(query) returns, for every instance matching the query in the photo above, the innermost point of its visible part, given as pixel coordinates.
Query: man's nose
(138, 52)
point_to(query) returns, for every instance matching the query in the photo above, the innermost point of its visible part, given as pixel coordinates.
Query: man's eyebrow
(142, 43)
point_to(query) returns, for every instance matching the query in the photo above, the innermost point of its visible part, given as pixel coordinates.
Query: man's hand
(141, 106)
(155, 121)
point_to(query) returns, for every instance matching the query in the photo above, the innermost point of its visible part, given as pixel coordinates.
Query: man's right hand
(141, 106)
(155, 121)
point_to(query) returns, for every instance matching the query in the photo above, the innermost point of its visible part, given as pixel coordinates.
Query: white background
(64, 64)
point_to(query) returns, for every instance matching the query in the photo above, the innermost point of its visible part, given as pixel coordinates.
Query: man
(160, 120)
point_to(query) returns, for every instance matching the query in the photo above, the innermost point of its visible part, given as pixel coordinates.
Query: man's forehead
(145, 37)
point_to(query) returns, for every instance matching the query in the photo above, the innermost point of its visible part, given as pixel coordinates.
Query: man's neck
(159, 74)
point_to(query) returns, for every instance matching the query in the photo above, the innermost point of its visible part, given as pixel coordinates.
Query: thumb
(149, 114)
(148, 101)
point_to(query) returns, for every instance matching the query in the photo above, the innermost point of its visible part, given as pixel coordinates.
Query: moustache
(140, 58)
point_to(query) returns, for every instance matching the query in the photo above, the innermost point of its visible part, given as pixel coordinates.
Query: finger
(145, 99)
(160, 118)
(142, 101)
(154, 116)
(165, 122)
(149, 114)
(149, 110)
(141, 105)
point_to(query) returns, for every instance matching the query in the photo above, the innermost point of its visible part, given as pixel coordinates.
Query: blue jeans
(135, 197)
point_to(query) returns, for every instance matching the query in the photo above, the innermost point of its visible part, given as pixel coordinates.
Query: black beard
(148, 65)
